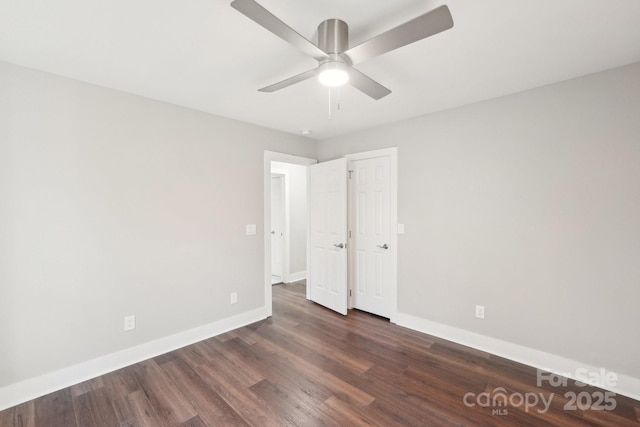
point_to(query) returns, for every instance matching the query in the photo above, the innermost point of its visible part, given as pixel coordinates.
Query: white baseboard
(32, 388)
(625, 385)
(294, 277)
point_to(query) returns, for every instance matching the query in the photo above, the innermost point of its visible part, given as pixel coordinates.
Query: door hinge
(349, 233)
(349, 292)
(350, 172)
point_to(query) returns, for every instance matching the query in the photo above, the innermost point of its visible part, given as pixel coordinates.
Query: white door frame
(272, 156)
(392, 153)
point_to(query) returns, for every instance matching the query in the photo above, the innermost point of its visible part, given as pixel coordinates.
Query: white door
(327, 276)
(370, 257)
(277, 228)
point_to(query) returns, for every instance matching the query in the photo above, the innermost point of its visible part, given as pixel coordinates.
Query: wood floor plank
(294, 404)
(167, 400)
(7, 417)
(193, 422)
(308, 366)
(211, 407)
(121, 383)
(433, 402)
(55, 409)
(320, 346)
(302, 369)
(283, 372)
(22, 415)
(347, 414)
(237, 358)
(193, 355)
(140, 411)
(87, 386)
(395, 415)
(93, 408)
(360, 347)
(253, 409)
(124, 412)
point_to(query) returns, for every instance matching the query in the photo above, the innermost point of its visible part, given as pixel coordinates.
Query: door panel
(328, 230)
(370, 208)
(277, 228)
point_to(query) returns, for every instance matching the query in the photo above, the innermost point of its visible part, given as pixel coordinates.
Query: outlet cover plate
(129, 323)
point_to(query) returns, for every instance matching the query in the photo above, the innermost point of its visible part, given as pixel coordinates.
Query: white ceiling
(205, 55)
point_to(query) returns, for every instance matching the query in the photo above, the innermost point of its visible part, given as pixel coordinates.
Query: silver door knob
(385, 246)
(339, 245)
(273, 232)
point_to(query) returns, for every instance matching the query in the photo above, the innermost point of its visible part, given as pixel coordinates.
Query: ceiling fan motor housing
(333, 36)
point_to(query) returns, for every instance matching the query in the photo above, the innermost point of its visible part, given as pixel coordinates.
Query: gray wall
(297, 215)
(112, 204)
(530, 205)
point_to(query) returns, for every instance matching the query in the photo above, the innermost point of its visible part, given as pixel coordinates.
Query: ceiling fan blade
(290, 81)
(266, 19)
(367, 85)
(428, 24)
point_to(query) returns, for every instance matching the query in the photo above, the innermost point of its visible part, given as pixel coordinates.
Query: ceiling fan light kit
(333, 73)
(335, 58)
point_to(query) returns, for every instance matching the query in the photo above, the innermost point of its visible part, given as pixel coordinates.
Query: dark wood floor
(307, 366)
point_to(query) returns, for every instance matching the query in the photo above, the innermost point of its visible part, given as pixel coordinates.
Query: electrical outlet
(251, 229)
(129, 323)
(234, 297)
(480, 311)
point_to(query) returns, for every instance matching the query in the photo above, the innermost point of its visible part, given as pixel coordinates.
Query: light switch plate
(400, 228)
(251, 229)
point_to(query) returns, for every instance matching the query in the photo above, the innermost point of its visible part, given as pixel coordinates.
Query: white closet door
(328, 234)
(370, 208)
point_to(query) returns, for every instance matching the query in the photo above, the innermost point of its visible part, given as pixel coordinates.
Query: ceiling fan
(335, 58)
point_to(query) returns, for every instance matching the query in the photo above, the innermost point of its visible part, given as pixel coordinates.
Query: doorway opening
(288, 222)
(285, 220)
